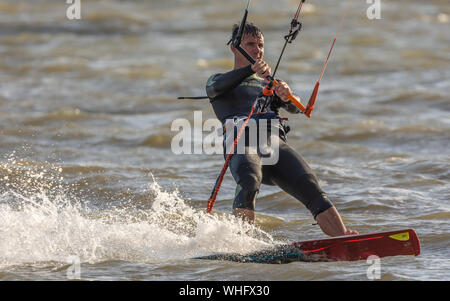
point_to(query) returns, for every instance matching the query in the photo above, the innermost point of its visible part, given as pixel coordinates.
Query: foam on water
(50, 224)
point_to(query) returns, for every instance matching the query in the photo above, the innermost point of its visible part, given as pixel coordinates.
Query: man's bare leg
(246, 214)
(331, 223)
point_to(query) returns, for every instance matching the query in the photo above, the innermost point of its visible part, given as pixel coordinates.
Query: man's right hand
(261, 68)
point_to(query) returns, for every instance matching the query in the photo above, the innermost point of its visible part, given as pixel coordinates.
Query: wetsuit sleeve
(290, 107)
(221, 83)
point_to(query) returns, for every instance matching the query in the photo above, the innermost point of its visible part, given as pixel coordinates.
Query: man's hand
(283, 91)
(261, 68)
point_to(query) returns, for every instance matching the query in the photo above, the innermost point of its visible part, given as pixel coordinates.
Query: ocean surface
(91, 189)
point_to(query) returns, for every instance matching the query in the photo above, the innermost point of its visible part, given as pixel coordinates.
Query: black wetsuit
(232, 95)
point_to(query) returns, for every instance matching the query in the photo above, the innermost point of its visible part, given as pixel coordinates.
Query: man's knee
(247, 190)
(250, 181)
(248, 177)
(244, 198)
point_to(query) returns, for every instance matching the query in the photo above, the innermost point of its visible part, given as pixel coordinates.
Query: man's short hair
(249, 29)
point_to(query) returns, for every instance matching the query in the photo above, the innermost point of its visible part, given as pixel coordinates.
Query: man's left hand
(282, 90)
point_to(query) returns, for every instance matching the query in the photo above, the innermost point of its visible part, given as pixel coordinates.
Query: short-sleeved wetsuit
(232, 95)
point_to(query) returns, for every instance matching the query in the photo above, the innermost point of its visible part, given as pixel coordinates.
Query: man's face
(253, 45)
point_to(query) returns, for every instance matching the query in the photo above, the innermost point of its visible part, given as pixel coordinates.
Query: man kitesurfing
(248, 95)
(232, 95)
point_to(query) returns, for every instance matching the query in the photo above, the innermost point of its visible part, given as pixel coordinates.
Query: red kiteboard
(360, 247)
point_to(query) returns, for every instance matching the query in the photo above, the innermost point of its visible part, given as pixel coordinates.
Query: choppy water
(87, 170)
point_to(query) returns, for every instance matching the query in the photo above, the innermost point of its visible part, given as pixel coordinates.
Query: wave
(63, 114)
(434, 216)
(158, 141)
(50, 224)
(373, 129)
(365, 129)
